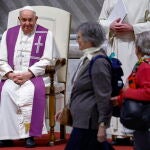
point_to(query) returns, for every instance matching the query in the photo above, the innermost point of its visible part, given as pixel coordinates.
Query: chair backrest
(56, 20)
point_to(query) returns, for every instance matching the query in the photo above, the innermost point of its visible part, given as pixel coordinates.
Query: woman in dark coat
(90, 97)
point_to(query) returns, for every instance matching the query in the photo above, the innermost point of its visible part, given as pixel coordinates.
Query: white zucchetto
(27, 8)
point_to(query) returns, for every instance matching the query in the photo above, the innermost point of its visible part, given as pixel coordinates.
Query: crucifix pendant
(19, 110)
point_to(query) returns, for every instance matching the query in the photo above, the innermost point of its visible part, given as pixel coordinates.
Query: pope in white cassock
(24, 53)
(122, 35)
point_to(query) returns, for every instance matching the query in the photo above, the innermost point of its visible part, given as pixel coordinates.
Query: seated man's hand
(21, 78)
(10, 75)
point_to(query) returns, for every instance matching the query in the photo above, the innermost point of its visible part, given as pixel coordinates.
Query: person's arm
(101, 82)
(121, 28)
(103, 18)
(117, 100)
(4, 66)
(143, 25)
(143, 82)
(101, 135)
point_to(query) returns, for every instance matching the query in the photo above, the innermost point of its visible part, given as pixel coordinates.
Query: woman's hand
(58, 115)
(114, 100)
(101, 135)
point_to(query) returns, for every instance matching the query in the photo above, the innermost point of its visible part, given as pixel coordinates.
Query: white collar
(89, 51)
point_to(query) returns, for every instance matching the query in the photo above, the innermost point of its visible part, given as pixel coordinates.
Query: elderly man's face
(27, 20)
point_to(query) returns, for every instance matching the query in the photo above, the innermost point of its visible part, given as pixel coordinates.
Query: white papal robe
(13, 96)
(124, 46)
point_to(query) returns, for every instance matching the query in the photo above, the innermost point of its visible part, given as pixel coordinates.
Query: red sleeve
(120, 99)
(142, 92)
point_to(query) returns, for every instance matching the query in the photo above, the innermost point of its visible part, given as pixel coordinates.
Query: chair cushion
(59, 87)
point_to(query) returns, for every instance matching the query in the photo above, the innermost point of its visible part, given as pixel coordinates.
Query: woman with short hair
(90, 97)
(138, 86)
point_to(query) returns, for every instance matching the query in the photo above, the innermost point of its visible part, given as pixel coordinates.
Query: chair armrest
(51, 69)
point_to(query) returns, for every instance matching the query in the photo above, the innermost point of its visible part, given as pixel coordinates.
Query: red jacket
(139, 89)
(142, 83)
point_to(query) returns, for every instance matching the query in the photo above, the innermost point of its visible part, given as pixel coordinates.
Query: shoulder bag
(135, 114)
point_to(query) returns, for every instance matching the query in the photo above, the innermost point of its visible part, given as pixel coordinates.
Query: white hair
(143, 42)
(27, 8)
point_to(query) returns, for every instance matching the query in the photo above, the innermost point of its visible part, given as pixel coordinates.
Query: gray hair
(92, 32)
(143, 42)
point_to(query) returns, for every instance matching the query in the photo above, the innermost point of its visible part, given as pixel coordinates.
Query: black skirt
(86, 139)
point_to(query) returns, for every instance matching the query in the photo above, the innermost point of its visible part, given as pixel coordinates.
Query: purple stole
(39, 101)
